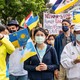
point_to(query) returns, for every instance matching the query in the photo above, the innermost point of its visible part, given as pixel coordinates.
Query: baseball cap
(13, 22)
(77, 27)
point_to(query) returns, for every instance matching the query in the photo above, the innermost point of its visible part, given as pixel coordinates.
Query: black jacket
(59, 46)
(50, 59)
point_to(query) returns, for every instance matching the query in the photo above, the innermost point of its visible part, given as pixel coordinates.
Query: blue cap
(13, 22)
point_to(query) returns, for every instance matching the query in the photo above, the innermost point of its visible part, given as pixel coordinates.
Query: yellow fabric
(76, 18)
(5, 48)
(33, 25)
(65, 6)
(27, 55)
(16, 43)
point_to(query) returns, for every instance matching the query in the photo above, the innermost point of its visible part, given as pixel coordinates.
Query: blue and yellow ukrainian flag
(76, 17)
(19, 38)
(33, 22)
(25, 20)
(28, 51)
(59, 5)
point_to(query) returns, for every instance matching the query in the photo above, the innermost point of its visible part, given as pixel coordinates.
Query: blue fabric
(41, 53)
(7, 70)
(58, 44)
(57, 3)
(50, 59)
(11, 77)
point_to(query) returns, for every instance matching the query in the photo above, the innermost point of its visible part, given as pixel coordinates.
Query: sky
(52, 1)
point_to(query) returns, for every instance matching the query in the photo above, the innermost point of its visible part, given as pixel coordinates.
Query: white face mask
(52, 41)
(78, 37)
(6, 36)
(39, 39)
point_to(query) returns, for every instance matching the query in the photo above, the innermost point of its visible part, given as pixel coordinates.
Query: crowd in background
(58, 56)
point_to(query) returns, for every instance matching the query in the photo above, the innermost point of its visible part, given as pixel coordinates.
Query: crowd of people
(58, 56)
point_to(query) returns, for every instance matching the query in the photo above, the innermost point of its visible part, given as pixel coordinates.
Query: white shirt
(15, 66)
(69, 54)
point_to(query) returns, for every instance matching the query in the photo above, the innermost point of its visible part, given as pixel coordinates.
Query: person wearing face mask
(42, 65)
(70, 57)
(16, 71)
(5, 47)
(51, 39)
(60, 41)
(13, 26)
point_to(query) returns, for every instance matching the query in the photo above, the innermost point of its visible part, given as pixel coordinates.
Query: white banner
(52, 22)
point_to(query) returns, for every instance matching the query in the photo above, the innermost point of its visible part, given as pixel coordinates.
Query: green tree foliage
(46, 1)
(18, 9)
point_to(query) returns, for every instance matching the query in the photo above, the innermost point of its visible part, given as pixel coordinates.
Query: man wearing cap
(70, 57)
(13, 26)
(60, 41)
(16, 70)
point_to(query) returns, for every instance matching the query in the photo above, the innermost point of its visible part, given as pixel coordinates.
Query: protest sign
(52, 22)
(76, 17)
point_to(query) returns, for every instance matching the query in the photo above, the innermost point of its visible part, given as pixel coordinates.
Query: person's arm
(66, 60)
(43, 66)
(57, 47)
(56, 73)
(9, 46)
(29, 67)
(55, 64)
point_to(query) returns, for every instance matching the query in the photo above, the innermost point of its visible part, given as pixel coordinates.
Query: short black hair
(52, 36)
(2, 27)
(40, 29)
(66, 20)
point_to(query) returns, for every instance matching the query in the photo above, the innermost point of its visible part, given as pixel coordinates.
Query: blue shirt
(41, 53)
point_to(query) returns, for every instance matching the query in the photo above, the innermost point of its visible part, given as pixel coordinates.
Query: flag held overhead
(59, 5)
(19, 38)
(25, 20)
(33, 22)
